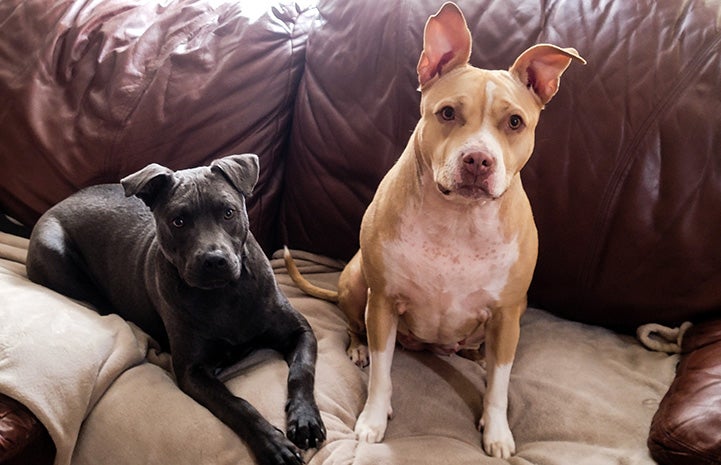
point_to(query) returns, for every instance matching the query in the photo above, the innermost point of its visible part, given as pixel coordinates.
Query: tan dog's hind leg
(352, 298)
(382, 322)
(503, 331)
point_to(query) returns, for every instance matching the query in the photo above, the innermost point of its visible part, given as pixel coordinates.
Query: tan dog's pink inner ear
(545, 85)
(446, 44)
(541, 66)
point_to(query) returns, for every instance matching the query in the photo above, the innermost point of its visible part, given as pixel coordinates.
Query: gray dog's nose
(215, 261)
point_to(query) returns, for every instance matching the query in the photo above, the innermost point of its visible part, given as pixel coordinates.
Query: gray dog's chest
(232, 313)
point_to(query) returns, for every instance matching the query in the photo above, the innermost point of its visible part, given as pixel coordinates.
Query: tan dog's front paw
(497, 438)
(371, 425)
(372, 432)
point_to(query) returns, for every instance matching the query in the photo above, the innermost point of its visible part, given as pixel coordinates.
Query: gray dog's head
(200, 215)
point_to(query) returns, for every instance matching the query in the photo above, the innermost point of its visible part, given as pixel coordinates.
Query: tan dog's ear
(446, 44)
(540, 68)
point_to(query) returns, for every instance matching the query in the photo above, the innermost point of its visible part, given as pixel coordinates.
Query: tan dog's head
(477, 126)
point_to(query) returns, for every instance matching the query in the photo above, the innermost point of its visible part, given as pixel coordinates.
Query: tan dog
(448, 245)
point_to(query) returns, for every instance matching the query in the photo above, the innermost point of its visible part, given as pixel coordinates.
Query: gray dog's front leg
(305, 427)
(266, 442)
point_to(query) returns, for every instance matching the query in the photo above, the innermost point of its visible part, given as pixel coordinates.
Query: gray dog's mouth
(201, 281)
(212, 274)
(210, 284)
(209, 281)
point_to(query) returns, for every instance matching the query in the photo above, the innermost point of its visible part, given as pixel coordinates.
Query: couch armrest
(686, 429)
(23, 439)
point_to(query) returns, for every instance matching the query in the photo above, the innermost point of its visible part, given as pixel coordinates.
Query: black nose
(215, 261)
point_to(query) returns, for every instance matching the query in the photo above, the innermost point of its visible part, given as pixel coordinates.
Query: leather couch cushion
(18, 428)
(91, 92)
(686, 429)
(624, 180)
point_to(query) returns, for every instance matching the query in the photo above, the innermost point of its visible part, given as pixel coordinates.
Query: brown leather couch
(625, 180)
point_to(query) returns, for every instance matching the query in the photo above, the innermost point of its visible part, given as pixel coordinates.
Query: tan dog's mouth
(468, 191)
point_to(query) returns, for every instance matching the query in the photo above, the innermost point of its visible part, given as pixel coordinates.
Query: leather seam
(622, 169)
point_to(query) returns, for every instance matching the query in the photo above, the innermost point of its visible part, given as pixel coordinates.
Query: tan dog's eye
(448, 113)
(515, 122)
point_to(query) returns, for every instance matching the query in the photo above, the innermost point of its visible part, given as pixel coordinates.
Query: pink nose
(478, 163)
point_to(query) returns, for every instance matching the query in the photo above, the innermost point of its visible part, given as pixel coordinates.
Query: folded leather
(18, 428)
(686, 429)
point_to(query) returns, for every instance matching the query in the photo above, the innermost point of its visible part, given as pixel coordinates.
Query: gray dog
(189, 272)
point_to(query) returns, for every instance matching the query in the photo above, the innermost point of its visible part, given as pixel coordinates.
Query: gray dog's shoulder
(102, 197)
(99, 207)
(101, 191)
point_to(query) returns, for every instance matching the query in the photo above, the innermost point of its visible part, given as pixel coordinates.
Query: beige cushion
(578, 394)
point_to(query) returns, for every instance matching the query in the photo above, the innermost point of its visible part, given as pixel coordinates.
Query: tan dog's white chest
(445, 270)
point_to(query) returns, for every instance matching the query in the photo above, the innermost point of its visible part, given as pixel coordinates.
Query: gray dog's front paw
(305, 427)
(275, 449)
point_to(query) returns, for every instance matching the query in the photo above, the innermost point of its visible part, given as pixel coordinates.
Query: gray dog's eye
(229, 213)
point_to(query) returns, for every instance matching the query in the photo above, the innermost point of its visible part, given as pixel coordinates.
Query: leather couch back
(93, 91)
(625, 180)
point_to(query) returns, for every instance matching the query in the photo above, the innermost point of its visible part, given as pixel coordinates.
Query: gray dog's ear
(240, 170)
(147, 183)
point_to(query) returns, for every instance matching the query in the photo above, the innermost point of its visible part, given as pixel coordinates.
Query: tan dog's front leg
(501, 341)
(381, 326)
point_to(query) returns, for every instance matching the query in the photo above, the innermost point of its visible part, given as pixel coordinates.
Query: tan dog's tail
(305, 285)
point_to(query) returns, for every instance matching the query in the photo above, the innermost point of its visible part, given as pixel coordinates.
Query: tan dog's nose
(478, 163)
